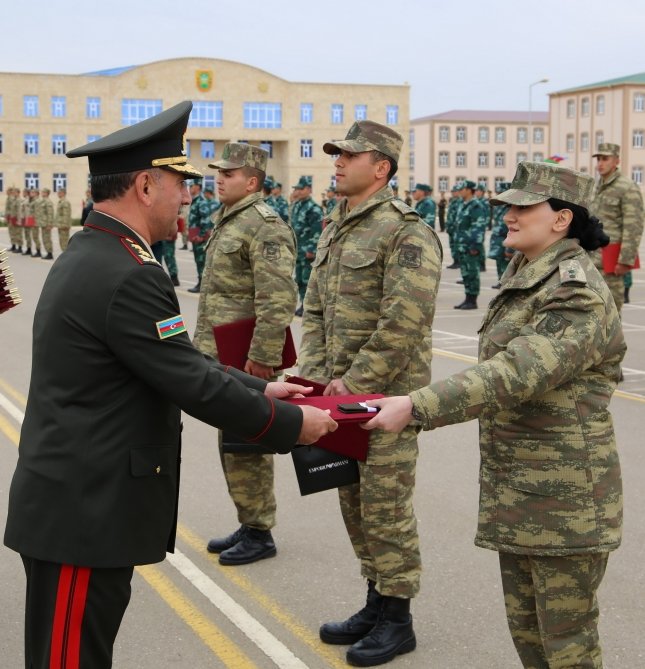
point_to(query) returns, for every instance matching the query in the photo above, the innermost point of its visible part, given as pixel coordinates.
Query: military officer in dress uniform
(366, 329)
(95, 489)
(550, 350)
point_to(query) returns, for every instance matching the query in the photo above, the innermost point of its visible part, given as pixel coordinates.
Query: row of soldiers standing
(33, 216)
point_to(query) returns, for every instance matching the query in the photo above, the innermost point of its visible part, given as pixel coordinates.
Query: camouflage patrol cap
(424, 187)
(501, 186)
(236, 155)
(268, 184)
(457, 187)
(468, 184)
(607, 150)
(303, 182)
(368, 136)
(537, 182)
(481, 186)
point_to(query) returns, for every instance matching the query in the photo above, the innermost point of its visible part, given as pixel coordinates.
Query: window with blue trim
(337, 114)
(59, 145)
(208, 148)
(134, 110)
(206, 114)
(392, 114)
(59, 106)
(93, 107)
(306, 112)
(31, 145)
(30, 105)
(262, 115)
(360, 112)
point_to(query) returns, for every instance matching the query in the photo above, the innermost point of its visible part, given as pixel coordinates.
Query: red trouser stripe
(68, 617)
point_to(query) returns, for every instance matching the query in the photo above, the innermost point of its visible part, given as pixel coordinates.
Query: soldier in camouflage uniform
(267, 195)
(472, 220)
(496, 250)
(44, 212)
(618, 204)
(63, 218)
(199, 229)
(250, 259)
(480, 194)
(12, 215)
(425, 205)
(28, 213)
(281, 204)
(452, 211)
(550, 350)
(332, 200)
(306, 219)
(366, 329)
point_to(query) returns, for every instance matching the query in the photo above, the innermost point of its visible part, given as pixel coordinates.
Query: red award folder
(610, 254)
(350, 438)
(233, 341)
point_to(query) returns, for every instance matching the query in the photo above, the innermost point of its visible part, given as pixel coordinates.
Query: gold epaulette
(138, 252)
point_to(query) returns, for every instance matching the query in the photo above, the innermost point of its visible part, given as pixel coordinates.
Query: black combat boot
(219, 545)
(253, 546)
(357, 626)
(299, 311)
(49, 256)
(455, 265)
(196, 289)
(175, 279)
(626, 299)
(470, 303)
(18, 249)
(27, 251)
(391, 636)
(37, 254)
(13, 248)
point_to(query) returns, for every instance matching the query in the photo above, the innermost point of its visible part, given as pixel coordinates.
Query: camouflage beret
(236, 155)
(424, 187)
(368, 136)
(607, 150)
(537, 182)
(303, 182)
(468, 184)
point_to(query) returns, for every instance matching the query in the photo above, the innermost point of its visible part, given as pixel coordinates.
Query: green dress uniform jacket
(550, 350)
(427, 209)
(97, 478)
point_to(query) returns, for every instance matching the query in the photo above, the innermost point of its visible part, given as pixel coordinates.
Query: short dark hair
(585, 228)
(111, 186)
(258, 174)
(377, 155)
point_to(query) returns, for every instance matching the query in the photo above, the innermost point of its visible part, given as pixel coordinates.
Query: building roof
(112, 72)
(620, 81)
(485, 115)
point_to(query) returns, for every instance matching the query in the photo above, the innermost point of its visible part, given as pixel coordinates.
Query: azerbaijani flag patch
(171, 327)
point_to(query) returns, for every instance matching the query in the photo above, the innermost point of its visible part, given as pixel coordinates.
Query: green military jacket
(454, 205)
(618, 204)
(12, 208)
(496, 248)
(250, 259)
(44, 212)
(63, 213)
(282, 207)
(306, 219)
(427, 209)
(369, 307)
(550, 350)
(472, 220)
(199, 216)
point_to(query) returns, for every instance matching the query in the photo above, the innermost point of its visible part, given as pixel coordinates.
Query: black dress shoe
(255, 545)
(299, 311)
(26, 252)
(455, 265)
(460, 282)
(195, 289)
(219, 545)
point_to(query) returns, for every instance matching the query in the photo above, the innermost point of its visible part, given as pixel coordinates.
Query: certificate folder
(610, 255)
(233, 341)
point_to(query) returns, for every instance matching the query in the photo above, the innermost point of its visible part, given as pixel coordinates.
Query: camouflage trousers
(32, 236)
(303, 272)
(380, 521)
(552, 610)
(470, 268)
(454, 247)
(63, 237)
(15, 234)
(46, 232)
(617, 288)
(168, 253)
(199, 251)
(502, 264)
(249, 479)
(628, 279)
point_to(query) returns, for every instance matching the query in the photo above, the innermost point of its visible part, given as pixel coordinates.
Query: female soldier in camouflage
(550, 351)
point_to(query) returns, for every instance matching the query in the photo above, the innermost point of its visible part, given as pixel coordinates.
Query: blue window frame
(262, 115)
(337, 114)
(206, 114)
(59, 106)
(59, 145)
(30, 105)
(392, 114)
(31, 145)
(306, 112)
(360, 112)
(135, 110)
(93, 107)
(208, 148)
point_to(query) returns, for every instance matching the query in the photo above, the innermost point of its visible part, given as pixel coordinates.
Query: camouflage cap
(481, 186)
(236, 155)
(268, 184)
(303, 182)
(277, 184)
(457, 187)
(501, 186)
(368, 136)
(468, 184)
(607, 150)
(424, 187)
(537, 182)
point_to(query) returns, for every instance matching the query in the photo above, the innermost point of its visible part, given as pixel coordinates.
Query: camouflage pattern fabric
(427, 209)
(63, 221)
(628, 280)
(368, 316)
(248, 272)
(32, 234)
(168, 254)
(469, 236)
(12, 214)
(496, 250)
(199, 217)
(331, 203)
(269, 200)
(618, 203)
(451, 225)
(236, 155)
(282, 208)
(368, 136)
(306, 220)
(550, 350)
(552, 609)
(44, 213)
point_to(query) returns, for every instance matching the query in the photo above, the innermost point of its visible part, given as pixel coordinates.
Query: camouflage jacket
(250, 258)
(306, 220)
(452, 212)
(44, 212)
(63, 213)
(472, 221)
(369, 307)
(12, 207)
(331, 204)
(550, 350)
(427, 209)
(282, 207)
(199, 215)
(496, 248)
(618, 204)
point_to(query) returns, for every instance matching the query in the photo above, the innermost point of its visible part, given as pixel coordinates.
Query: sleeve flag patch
(171, 327)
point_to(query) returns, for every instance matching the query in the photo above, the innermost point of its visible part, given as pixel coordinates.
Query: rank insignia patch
(410, 256)
(171, 327)
(552, 325)
(271, 251)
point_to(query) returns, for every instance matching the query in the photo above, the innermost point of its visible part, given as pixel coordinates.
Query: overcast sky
(468, 54)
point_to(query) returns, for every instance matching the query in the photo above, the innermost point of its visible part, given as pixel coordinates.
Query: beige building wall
(611, 111)
(448, 146)
(171, 81)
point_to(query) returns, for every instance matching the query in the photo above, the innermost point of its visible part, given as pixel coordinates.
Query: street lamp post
(535, 83)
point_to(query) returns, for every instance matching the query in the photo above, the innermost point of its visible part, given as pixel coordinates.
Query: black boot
(13, 248)
(299, 311)
(253, 546)
(461, 304)
(27, 251)
(49, 256)
(219, 545)
(357, 626)
(18, 249)
(175, 279)
(626, 300)
(470, 303)
(455, 265)
(37, 254)
(460, 282)
(391, 636)
(196, 289)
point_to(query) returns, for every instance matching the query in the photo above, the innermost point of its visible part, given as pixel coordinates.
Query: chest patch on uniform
(410, 256)
(552, 325)
(171, 327)
(271, 251)
(140, 254)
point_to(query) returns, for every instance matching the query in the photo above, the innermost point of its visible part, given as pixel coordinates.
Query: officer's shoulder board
(138, 252)
(571, 271)
(265, 211)
(409, 214)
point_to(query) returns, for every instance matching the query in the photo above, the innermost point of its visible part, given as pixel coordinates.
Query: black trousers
(73, 614)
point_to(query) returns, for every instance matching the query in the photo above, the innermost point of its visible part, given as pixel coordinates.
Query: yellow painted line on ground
(227, 651)
(288, 621)
(12, 392)
(9, 430)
